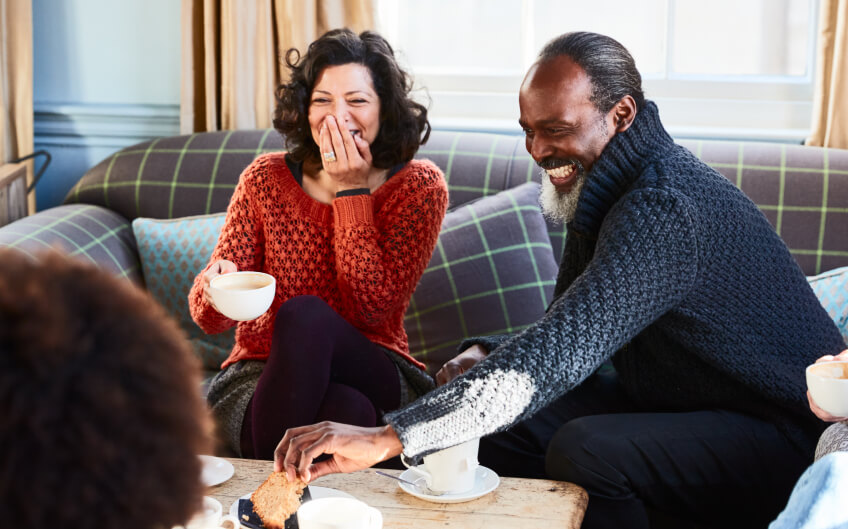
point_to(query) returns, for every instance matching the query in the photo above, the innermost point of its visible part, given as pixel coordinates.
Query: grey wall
(106, 76)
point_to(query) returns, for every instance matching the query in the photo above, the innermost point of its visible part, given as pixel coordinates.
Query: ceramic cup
(211, 517)
(338, 513)
(243, 296)
(452, 470)
(828, 385)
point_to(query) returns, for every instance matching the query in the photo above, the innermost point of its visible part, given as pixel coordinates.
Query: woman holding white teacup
(346, 222)
(835, 438)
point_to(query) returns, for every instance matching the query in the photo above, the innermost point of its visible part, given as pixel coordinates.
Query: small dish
(314, 492)
(215, 470)
(485, 481)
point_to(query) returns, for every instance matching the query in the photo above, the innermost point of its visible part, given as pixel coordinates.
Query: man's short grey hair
(610, 67)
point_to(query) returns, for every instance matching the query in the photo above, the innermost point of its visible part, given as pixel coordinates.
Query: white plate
(485, 481)
(315, 492)
(215, 470)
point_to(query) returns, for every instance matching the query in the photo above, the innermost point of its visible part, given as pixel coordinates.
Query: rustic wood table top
(516, 503)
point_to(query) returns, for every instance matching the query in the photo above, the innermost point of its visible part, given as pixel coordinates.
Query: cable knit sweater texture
(363, 254)
(672, 270)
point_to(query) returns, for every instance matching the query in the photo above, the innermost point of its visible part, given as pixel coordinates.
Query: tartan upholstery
(493, 258)
(91, 233)
(802, 190)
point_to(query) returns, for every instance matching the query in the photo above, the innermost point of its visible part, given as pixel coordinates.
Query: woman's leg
(320, 368)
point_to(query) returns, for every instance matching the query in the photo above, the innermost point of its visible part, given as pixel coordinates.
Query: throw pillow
(832, 290)
(493, 271)
(172, 253)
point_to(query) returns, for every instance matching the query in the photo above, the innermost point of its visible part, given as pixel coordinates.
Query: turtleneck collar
(621, 163)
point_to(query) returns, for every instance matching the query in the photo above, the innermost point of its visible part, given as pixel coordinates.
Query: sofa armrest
(93, 233)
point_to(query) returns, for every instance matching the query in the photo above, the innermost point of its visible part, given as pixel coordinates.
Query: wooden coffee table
(516, 503)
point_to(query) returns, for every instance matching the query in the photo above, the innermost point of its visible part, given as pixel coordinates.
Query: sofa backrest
(803, 191)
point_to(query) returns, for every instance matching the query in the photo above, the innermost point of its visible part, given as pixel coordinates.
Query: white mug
(453, 469)
(338, 513)
(828, 385)
(243, 296)
(211, 517)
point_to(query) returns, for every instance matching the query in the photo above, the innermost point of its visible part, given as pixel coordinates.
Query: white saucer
(315, 492)
(215, 470)
(485, 481)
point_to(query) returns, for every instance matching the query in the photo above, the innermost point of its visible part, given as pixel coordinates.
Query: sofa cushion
(91, 233)
(493, 271)
(172, 253)
(832, 290)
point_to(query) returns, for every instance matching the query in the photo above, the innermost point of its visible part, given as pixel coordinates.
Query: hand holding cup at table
(240, 296)
(452, 470)
(827, 387)
(345, 155)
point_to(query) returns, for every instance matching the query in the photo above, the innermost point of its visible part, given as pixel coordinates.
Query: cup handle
(375, 520)
(471, 463)
(229, 521)
(426, 475)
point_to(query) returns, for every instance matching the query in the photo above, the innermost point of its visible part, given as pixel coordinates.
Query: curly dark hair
(102, 416)
(403, 122)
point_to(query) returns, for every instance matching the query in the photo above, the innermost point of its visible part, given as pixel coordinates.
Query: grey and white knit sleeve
(645, 262)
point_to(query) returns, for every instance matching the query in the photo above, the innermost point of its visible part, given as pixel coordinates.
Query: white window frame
(767, 108)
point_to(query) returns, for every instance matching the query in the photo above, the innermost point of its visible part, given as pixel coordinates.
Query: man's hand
(820, 413)
(460, 364)
(351, 447)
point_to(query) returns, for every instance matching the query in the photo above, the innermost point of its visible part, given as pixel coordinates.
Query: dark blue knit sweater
(672, 270)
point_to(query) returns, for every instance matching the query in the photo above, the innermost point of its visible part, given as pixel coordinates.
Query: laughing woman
(346, 221)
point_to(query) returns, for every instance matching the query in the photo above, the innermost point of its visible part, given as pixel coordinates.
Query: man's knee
(583, 452)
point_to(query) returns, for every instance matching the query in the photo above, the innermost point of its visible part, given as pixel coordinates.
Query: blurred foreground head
(101, 417)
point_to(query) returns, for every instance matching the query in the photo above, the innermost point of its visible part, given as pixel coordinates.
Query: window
(723, 68)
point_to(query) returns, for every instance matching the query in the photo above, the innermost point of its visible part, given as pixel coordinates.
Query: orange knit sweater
(362, 254)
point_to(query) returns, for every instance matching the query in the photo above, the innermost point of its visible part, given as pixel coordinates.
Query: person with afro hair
(101, 414)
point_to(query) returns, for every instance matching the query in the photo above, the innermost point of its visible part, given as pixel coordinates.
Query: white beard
(558, 206)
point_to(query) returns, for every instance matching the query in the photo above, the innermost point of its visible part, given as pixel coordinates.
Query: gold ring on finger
(329, 156)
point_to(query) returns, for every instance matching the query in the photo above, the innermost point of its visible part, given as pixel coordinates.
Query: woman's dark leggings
(321, 368)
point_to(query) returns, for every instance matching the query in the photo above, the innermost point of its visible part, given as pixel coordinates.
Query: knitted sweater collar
(621, 163)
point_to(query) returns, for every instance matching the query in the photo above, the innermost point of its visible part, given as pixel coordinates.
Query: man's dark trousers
(716, 467)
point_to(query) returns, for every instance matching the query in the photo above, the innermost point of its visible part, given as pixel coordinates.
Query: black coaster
(249, 518)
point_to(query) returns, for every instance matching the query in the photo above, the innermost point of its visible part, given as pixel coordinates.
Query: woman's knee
(300, 312)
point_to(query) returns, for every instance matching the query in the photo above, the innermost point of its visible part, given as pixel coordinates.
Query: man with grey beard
(704, 416)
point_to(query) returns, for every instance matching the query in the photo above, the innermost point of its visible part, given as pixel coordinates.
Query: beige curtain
(16, 115)
(830, 106)
(233, 54)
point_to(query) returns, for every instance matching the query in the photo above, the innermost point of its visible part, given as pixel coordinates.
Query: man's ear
(623, 113)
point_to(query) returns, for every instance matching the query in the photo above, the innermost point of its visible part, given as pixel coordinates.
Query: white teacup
(828, 385)
(452, 470)
(338, 513)
(243, 296)
(211, 517)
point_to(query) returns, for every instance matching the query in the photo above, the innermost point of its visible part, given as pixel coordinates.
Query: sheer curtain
(16, 115)
(233, 54)
(830, 106)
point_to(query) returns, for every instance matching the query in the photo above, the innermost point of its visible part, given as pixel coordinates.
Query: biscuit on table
(277, 499)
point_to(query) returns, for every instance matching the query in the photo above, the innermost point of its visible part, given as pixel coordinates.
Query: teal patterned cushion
(832, 290)
(172, 252)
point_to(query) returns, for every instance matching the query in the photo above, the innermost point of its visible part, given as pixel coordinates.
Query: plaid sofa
(802, 190)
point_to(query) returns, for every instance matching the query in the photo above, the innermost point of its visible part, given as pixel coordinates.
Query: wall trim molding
(103, 125)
